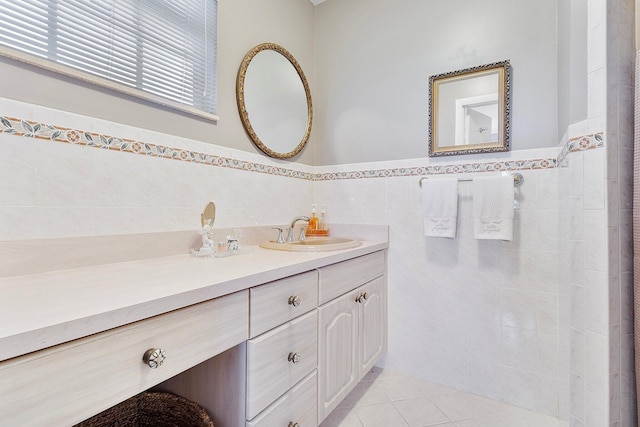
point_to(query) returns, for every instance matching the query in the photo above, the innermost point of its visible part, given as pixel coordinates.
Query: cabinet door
(338, 351)
(373, 324)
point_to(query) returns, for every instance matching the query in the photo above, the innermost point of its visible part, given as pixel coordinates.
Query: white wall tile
(577, 408)
(596, 302)
(595, 240)
(594, 180)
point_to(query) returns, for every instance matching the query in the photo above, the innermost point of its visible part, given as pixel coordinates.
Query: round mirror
(274, 101)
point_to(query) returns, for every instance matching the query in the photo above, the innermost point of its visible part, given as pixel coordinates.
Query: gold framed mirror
(470, 110)
(274, 101)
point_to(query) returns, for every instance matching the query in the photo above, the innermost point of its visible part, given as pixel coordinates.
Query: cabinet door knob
(292, 424)
(361, 298)
(154, 357)
(294, 300)
(293, 358)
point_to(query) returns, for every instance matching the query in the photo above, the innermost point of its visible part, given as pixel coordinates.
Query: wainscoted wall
(57, 182)
(477, 315)
(491, 317)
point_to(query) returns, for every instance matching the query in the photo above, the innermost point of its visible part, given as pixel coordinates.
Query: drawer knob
(293, 358)
(294, 300)
(292, 424)
(154, 357)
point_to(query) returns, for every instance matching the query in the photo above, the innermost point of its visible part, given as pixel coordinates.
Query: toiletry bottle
(313, 222)
(324, 227)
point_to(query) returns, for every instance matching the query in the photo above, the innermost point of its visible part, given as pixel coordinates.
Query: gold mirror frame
(208, 215)
(240, 97)
(436, 148)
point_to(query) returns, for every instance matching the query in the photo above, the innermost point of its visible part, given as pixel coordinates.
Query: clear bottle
(324, 227)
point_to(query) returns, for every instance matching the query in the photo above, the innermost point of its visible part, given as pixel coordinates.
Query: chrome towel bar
(518, 179)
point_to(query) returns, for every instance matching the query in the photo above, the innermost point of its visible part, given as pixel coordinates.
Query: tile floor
(388, 399)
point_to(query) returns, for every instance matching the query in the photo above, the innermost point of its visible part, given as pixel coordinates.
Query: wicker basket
(152, 409)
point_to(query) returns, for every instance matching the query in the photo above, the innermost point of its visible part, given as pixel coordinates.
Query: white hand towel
(493, 207)
(440, 207)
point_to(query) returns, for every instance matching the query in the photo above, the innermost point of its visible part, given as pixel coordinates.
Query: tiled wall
(585, 284)
(596, 289)
(595, 239)
(478, 315)
(67, 183)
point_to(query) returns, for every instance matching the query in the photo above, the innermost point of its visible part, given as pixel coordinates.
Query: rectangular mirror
(469, 110)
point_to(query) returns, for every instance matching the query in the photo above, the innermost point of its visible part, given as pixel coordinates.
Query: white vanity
(253, 338)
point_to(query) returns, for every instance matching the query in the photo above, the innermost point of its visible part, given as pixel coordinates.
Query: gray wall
(572, 63)
(242, 25)
(374, 57)
(367, 61)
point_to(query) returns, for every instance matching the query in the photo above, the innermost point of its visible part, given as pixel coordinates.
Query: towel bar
(518, 179)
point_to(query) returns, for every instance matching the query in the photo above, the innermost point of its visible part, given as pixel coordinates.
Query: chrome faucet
(292, 226)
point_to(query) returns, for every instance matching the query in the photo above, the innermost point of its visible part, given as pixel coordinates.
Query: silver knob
(280, 238)
(294, 300)
(154, 357)
(293, 358)
(292, 424)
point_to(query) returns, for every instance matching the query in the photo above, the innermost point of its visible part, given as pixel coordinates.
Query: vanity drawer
(270, 372)
(296, 406)
(80, 378)
(278, 302)
(337, 279)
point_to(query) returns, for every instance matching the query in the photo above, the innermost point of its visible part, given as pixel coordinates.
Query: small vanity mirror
(469, 110)
(208, 215)
(274, 101)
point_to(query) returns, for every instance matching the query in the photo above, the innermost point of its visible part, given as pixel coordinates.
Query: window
(159, 50)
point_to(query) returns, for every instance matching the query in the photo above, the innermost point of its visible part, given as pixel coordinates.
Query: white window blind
(160, 50)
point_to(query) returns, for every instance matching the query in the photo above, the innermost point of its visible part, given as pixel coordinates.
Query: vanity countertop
(45, 309)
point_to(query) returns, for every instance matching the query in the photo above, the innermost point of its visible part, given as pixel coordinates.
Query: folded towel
(440, 207)
(493, 207)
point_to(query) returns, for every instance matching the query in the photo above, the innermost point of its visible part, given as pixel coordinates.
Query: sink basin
(313, 244)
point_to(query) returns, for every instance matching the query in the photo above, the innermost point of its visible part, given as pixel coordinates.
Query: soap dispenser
(313, 222)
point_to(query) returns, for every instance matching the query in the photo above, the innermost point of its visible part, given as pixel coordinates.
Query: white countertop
(42, 310)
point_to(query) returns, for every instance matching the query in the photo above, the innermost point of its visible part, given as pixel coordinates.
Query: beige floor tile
(460, 406)
(432, 389)
(342, 417)
(388, 399)
(365, 393)
(382, 415)
(379, 373)
(420, 412)
(535, 420)
(401, 388)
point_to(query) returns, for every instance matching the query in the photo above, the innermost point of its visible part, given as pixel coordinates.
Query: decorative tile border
(507, 165)
(581, 143)
(31, 129)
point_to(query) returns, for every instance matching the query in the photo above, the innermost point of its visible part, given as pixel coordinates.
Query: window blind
(163, 51)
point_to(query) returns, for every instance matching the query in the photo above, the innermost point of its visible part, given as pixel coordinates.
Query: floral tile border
(32, 129)
(581, 143)
(507, 165)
